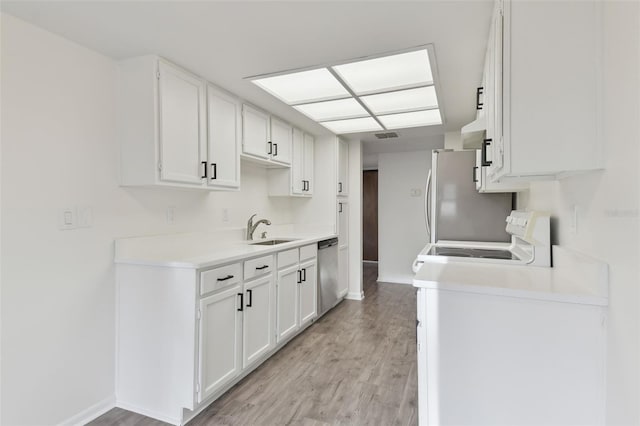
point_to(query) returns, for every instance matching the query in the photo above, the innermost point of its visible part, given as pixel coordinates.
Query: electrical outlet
(225, 214)
(67, 219)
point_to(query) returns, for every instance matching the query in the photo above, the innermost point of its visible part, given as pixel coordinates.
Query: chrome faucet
(251, 227)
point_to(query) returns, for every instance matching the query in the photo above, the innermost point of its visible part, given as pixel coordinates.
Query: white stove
(530, 245)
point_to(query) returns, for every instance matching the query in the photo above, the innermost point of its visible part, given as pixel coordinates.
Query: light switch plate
(67, 219)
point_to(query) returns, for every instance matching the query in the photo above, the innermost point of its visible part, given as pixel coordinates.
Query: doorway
(370, 215)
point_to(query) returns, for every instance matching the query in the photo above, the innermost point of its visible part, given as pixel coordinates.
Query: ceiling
(225, 42)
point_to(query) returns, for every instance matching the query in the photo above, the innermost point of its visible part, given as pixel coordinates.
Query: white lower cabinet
(236, 324)
(296, 181)
(258, 319)
(220, 341)
(297, 291)
(307, 299)
(288, 302)
(488, 359)
(185, 336)
(343, 247)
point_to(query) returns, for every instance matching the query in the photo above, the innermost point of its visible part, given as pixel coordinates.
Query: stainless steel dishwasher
(327, 275)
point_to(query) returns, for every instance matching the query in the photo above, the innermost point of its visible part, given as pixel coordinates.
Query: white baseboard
(91, 413)
(355, 296)
(395, 280)
(154, 415)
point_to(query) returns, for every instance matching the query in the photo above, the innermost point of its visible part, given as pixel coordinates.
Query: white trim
(149, 413)
(91, 413)
(395, 280)
(355, 296)
(370, 261)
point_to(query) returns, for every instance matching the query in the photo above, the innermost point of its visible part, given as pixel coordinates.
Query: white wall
(59, 150)
(608, 209)
(401, 228)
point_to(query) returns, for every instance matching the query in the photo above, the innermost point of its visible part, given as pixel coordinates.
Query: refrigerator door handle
(427, 205)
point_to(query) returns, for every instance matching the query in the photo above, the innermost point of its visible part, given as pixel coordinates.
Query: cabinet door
(478, 171)
(343, 167)
(495, 152)
(343, 271)
(287, 302)
(281, 134)
(258, 321)
(223, 138)
(255, 132)
(343, 223)
(308, 292)
(308, 162)
(182, 125)
(297, 164)
(220, 341)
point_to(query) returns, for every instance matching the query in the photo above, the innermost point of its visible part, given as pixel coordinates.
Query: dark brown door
(370, 215)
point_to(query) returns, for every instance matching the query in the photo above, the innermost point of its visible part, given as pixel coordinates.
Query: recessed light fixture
(381, 93)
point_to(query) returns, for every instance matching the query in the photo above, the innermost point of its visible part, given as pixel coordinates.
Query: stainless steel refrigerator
(454, 209)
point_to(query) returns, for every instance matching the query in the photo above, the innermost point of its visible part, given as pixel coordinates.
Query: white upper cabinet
(265, 139)
(297, 165)
(483, 184)
(298, 179)
(281, 134)
(343, 223)
(166, 136)
(308, 161)
(224, 135)
(343, 167)
(545, 89)
(256, 132)
(182, 127)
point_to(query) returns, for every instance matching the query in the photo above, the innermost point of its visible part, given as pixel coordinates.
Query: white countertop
(203, 250)
(575, 278)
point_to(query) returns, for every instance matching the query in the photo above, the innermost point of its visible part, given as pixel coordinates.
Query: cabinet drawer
(257, 267)
(224, 276)
(308, 252)
(287, 258)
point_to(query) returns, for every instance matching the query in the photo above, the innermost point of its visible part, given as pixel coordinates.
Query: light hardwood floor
(354, 366)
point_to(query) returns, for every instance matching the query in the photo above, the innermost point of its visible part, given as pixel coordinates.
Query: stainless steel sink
(270, 242)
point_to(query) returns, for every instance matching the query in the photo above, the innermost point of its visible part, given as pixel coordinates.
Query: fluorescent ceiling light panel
(402, 100)
(386, 92)
(305, 86)
(332, 110)
(355, 125)
(387, 73)
(411, 119)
